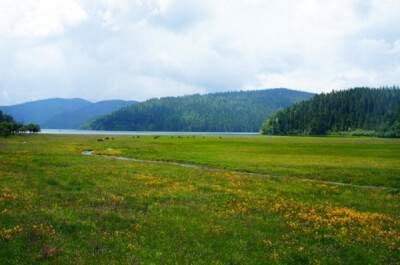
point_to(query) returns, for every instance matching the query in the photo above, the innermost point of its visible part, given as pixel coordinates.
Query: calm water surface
(67, 131)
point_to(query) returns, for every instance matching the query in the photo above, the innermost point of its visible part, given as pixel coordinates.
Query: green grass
(357, 160)
(58, 206)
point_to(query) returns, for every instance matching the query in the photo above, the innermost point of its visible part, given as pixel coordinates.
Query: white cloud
(138, 49)
(42, 60)
(28, 18)
(178, 16)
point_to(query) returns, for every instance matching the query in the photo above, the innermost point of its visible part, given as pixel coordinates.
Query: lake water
(67, 131)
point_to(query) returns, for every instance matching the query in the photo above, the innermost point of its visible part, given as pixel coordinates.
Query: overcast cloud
(139, 49)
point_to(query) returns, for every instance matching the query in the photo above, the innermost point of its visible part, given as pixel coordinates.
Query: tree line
(362, 111)
(9, 126)
(242, 111)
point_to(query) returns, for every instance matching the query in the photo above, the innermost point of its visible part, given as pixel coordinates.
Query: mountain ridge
(61, 113)
(40, 111)
(235, 111)
(73, 119)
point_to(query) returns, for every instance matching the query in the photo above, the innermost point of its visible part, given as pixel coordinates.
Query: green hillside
(369, 111)
(242, 111)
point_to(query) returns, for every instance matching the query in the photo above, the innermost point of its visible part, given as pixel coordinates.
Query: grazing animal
(220, 137)
(100, 139)
(107, 138)
(138, 136)
(112, 138)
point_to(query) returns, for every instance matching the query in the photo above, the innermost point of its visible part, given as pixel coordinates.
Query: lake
(69, 131)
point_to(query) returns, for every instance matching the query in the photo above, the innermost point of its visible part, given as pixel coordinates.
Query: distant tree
(390, 126)
(23, 129)
(15, 127)
(33, 128)
(9, 126)
(6, 128)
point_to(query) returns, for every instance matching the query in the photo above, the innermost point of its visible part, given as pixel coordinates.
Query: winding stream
(91, 153)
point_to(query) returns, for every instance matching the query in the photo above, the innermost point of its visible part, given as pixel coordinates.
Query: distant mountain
(59, 113)
(376, 111)
(242, 111)
(42, 110)
(73, 119)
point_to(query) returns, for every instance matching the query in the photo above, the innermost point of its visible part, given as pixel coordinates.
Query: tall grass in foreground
(57, 206)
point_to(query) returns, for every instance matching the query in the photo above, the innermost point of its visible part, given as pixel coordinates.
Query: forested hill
(376, 110)
(242, 111)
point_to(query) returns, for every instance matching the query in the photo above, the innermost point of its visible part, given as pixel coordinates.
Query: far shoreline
(164, 133)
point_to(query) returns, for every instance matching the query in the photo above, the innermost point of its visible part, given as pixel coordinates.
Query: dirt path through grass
(91, 153)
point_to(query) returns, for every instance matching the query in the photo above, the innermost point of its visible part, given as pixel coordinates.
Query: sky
(141, 49)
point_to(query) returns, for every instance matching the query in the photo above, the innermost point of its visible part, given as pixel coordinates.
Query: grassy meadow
(58, 206)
